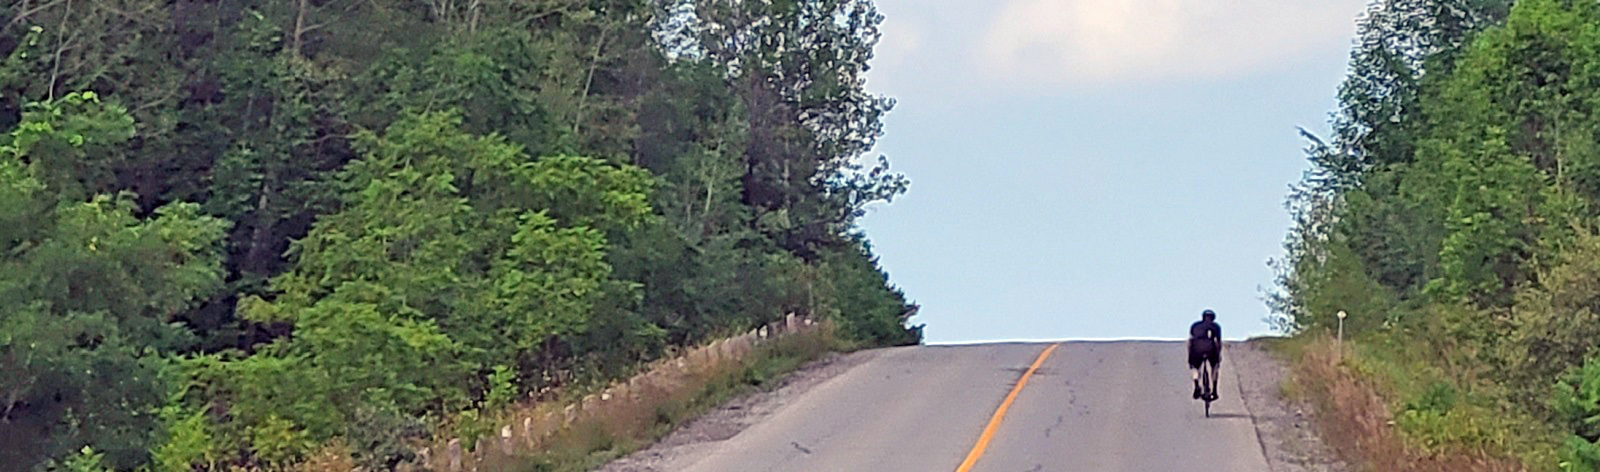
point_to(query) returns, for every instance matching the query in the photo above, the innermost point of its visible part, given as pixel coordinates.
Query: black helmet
(1208, 315)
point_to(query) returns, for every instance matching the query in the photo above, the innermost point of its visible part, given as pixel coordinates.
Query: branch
(23, 15)
(129, 16)
(540, 16)
(55, 71)
(171, 92)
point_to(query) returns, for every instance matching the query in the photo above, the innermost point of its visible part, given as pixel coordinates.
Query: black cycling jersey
(1208, 330)
(1205, 343)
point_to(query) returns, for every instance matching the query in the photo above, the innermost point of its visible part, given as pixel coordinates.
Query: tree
(450, 254)
(1366, 188)
(89, 291)
(800, 70)
(298, 191)
(1399, 42)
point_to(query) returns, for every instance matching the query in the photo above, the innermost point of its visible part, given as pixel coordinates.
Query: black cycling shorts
(1203, 351)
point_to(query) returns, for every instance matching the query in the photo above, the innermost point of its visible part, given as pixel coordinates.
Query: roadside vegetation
(269, 234)
(625, 429)
(1454, 214)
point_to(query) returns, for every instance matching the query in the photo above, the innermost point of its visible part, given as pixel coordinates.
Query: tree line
(233, 232)
(1456, 206)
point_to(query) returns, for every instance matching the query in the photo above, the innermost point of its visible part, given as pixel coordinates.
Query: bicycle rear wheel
(1208, 390)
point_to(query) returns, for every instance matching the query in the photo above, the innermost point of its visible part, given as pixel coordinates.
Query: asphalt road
(1090, 406)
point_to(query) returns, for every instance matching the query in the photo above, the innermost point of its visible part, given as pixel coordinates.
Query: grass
(1388, 404)
(629, 425)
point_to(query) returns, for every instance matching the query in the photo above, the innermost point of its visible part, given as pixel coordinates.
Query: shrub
(379, 436)
(502, 388)
(189, 441)
(278, 441)
(1579, 455)
(1576, 405)
(1576, 400)
(86, 460)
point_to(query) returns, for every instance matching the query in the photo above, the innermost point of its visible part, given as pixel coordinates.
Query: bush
(472, 426)
(380, 435)
(502, 388)
(278, 441)
(1555, 324)
(189, 440)
(1576, 401)
(1579, 455)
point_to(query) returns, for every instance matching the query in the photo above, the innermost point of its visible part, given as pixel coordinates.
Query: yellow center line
(1000, 414)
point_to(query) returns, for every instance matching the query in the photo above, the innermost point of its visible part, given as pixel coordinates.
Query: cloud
(904, 37)
(902, 42)
(1056, 42)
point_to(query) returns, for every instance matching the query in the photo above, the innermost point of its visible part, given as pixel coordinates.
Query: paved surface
(1092, 406)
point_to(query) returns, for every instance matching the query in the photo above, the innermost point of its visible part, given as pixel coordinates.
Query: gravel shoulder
(1286, 427)
(678, 448)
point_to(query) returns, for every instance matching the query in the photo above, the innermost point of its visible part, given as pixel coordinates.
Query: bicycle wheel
(1207, 389)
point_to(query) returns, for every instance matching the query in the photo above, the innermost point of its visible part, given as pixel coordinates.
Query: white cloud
(1054, 42)
(903, 38)
(902, 43)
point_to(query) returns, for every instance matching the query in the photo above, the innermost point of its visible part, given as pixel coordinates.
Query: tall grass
(630, 423)
(1389, 405)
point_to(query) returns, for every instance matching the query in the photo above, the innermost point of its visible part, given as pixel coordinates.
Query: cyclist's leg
(1194, 371)
(1215, 361)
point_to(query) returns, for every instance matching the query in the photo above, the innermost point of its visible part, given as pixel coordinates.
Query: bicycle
(1208, 384)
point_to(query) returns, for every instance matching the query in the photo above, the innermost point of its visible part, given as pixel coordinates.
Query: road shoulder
(1285, 427)
(680, 448)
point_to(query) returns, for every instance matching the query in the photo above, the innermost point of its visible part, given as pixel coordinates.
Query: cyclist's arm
(1217, 339)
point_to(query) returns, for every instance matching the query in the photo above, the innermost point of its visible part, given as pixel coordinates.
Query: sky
(1097, 169)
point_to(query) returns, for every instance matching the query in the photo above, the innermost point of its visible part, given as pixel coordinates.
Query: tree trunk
(588, 81)
(255, 260)
(299, 27)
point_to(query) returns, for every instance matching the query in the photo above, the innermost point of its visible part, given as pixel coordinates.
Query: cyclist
(1205, 345)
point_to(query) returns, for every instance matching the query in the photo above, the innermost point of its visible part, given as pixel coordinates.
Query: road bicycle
(1208, 384)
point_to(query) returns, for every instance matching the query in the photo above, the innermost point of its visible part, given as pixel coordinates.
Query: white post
(1339, 341)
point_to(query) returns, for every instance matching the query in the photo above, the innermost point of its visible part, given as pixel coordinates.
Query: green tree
(89, 292)
(215, 268)
(451, 254)
(867, 312)
(808, 115)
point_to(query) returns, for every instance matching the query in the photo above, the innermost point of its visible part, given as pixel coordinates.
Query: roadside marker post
(1339, 341)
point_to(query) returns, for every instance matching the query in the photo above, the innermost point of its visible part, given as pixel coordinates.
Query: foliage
(867, 314)
(1575, 400)
(190, 442)
(86, 460)
(1456, 204)
(502, 390)
(1579, 455)
(381, 435)
(90, 289)
(70, 144)
(285, 231)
